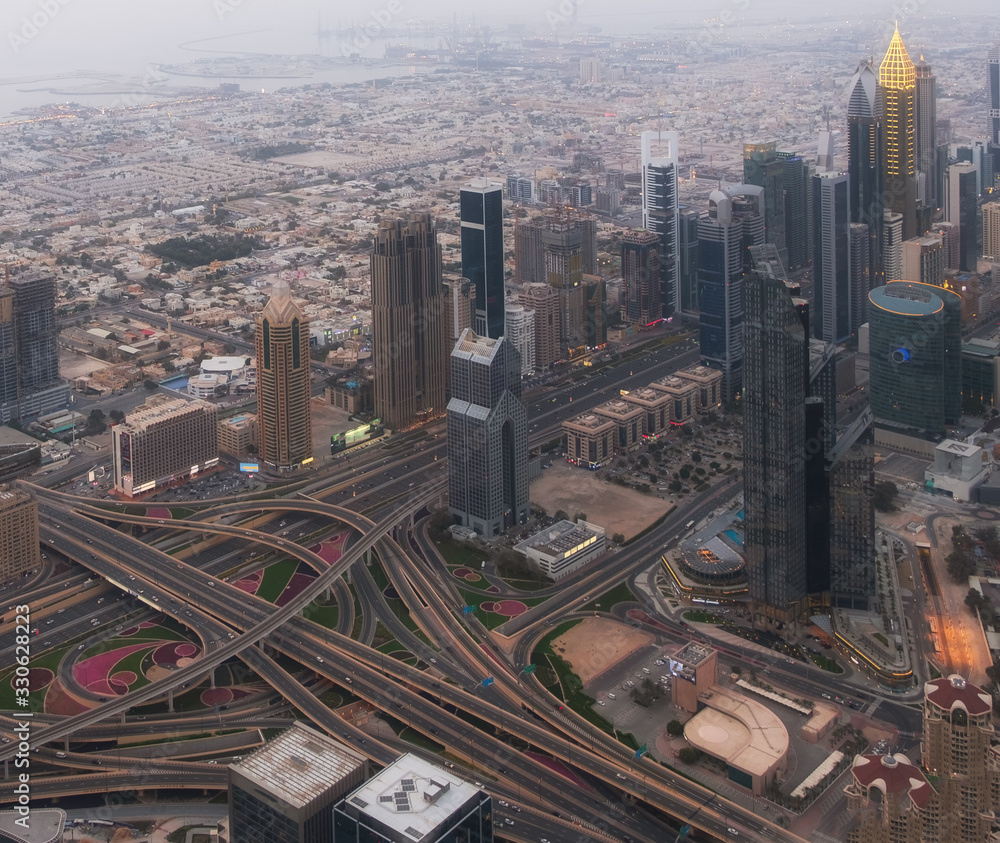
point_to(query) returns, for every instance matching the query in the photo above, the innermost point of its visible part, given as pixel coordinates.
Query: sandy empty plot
(596, 644)
(615, 508)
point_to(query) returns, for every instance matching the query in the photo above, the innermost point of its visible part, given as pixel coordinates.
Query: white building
(520, 332)
(562, 548)
(959, 468)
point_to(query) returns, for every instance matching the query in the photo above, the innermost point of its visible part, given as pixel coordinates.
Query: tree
(580, 516)
(117, 416)
(437, 527)
(689, 755)
(960, 565)
(561, 515)
(95, 423)
(646, 692)
(885, 496)
(675, 728)
(150, 385)
(618, 538)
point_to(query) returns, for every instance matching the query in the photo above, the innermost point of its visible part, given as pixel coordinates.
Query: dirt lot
(596, 644)
(615, 508)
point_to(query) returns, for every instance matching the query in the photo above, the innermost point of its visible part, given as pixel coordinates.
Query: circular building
(713, 563)
(915, 347)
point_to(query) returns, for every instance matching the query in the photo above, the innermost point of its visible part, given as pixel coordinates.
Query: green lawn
(621, 593)
(323, 615)
(276, 577)
(701, 616)
(455, 553)
(8, 701)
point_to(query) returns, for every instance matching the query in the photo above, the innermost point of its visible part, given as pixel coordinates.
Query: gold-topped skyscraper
(898, 80)
(284, 430)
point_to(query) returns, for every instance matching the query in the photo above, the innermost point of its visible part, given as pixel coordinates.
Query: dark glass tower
(487, 436)
(993, 71)
(481, 208)
(926, 127)
(795, 185)
(831, 258)
(660, 159)
(640, 261)
(865, 141)
(763, 168)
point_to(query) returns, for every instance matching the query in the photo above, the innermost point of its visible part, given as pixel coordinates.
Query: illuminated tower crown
(896, 71)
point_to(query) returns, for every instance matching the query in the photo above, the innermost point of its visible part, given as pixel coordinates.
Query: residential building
(562, 224)
(520, 323)
(892, 246)
(950, 241)
(414, 800)
(860, 273)
(897, 82)
(459, 307)
(993, 77)
(19, 547)
(660, 157)
(923, 260)
(481, 208)
(640, 263)
(563, 548)
(161, 441)
(991, 231)
(286, 790)
(520, 189)
(889, 800)
(284, 384)
(834, 320)
(543, 301)
(409, 348)
(487, 436)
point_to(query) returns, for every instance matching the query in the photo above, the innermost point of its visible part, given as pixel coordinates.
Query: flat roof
(46, 826)
(224, 364)
(412, 796)
(559, 538)
(589, 421)
(299, 765)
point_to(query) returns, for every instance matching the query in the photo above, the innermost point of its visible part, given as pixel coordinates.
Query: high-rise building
(763, 167)
(923, 260)
(831, 258)
(897, 80)
(531, 242)
(163, 440)
(795, 182)
(915, 356)
(993, 74)
(889, 800)
(520, 189)
(409, 349)
(487, 436)
(865, 160)
(991, 231)
(925, 117)
(285, 791)
(284, 385)
(892, 246)
(951, 242)
(481, 207)
(521, 334)
(590, 69)
(860, 273)
(961, 205)
(734, 221)
(775, 382)
(640, 262)
(660, 159)
(459, 307)
(687, 275)
(414, 800)
(19, 548)
(543, 300)
(29, 359)
(595, 327)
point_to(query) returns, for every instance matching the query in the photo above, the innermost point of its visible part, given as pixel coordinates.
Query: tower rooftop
(896, 71)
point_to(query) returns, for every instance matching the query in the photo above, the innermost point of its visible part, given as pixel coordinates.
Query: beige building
(709, 382)
(693, 669)
(889, 799)
(544, 301)
(923, 260)
(655, 404)
(163, 440)
(19, 550)
(629, 420)
(682, 395)
(238, 435)
(991, 231)
(590, 440)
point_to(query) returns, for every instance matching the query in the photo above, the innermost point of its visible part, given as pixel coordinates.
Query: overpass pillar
(211, 678)
(170, 700)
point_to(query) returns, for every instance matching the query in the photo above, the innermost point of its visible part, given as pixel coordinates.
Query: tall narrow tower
(831, 258)
(897, 79)
(865, 152)
(284, 428)
(660, 159)
(481, 208)
(926, 125)
(993, 71)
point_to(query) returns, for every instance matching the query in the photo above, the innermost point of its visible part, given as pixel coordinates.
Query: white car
(733, 832)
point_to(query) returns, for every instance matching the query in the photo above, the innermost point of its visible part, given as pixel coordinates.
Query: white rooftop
(223, 364)
(412, 796)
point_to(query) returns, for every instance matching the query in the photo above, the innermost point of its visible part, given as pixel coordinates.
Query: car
(319, 659)
(211, 583)
(612, 697)
(47, 644)
(826, 696)
(508, 821)
(732, 831)
(348, 680)
(433, 660)
(621, 776)
(60, 611)
(80, 647)
(50, 621)
(504, 803)
(658, 662)
(60, 754)
(601, 702)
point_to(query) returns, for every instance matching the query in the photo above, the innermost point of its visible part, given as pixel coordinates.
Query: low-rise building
(564, 547)
(656, 404)
(683, 395)
(590, 440)
(238, 435)
(709, 383)
(630, 421)
(959, 469)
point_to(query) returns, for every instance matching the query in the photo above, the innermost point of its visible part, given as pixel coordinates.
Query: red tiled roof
(892, 774)
(954, 691)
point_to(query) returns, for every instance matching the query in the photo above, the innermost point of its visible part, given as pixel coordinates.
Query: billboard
(250, 467)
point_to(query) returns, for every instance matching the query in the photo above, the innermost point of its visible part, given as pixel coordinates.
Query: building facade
(563, 548)
(991, 231)
(487, 436)
(925, 120)
(834, 320)
(762, 167)
(961, 207)
(640, 262)
(163, 440)
(19, 548)
(993, 79)
(409, 350)
(865, 160)
(284, 423)
(543, 301)
(481, 208)
(520, 323)
(897, 80)
(591, 440)
(238, 435)
(923, 260)
(660, 158)
(459, 307)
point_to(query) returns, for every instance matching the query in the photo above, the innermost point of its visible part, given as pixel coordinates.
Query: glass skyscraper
(897, 80)
(481, 209)
(660, 158)
(865, 153)
(831, 258)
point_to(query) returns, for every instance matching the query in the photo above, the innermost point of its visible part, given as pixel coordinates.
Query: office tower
(915, 356)
(961, 205)
(285, 791)
(409, 348)
(860, 273)
(459, 307)
(238, 435)
(8, 352)
(892, 246)
(734, 221)
(795, 185)
(957, 750)
(925, 119)
(775, 378)
(660, 158)
(824, 151)
(951, 242)
(521, 334)
(284, 388)
(414, 801)
(991, 231)
(487, 436)
(897, 80)
(851, 470)
(564, 272)
(831, 258)
(19, 548)
(520, 189)
(865, 157)
(163, 440)
(763, 168)
(640, 261)
(596, 325)
(543, 300)
(923, 260)
(481, 204)
(687, 275)
(550, 229)
(993, 73)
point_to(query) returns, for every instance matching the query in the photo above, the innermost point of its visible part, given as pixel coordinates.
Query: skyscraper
(487, 436)
(521, 334)
(926, 137)
(763, 167)
(687, 274)
(892, 246)
(860, 273)
(481, 208)
(733, 222)
(544, 301)
(991, 231)
(284, 426)
(660, 158)
(775, 378)
(795, 182)
(531, 241)
(460, 307)
(961, 205)
(640, 262)
(834, 320)
(993, 72)
(19, 548)
(923, 260)
(865, 156)
(409, 351)
(897, 79)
